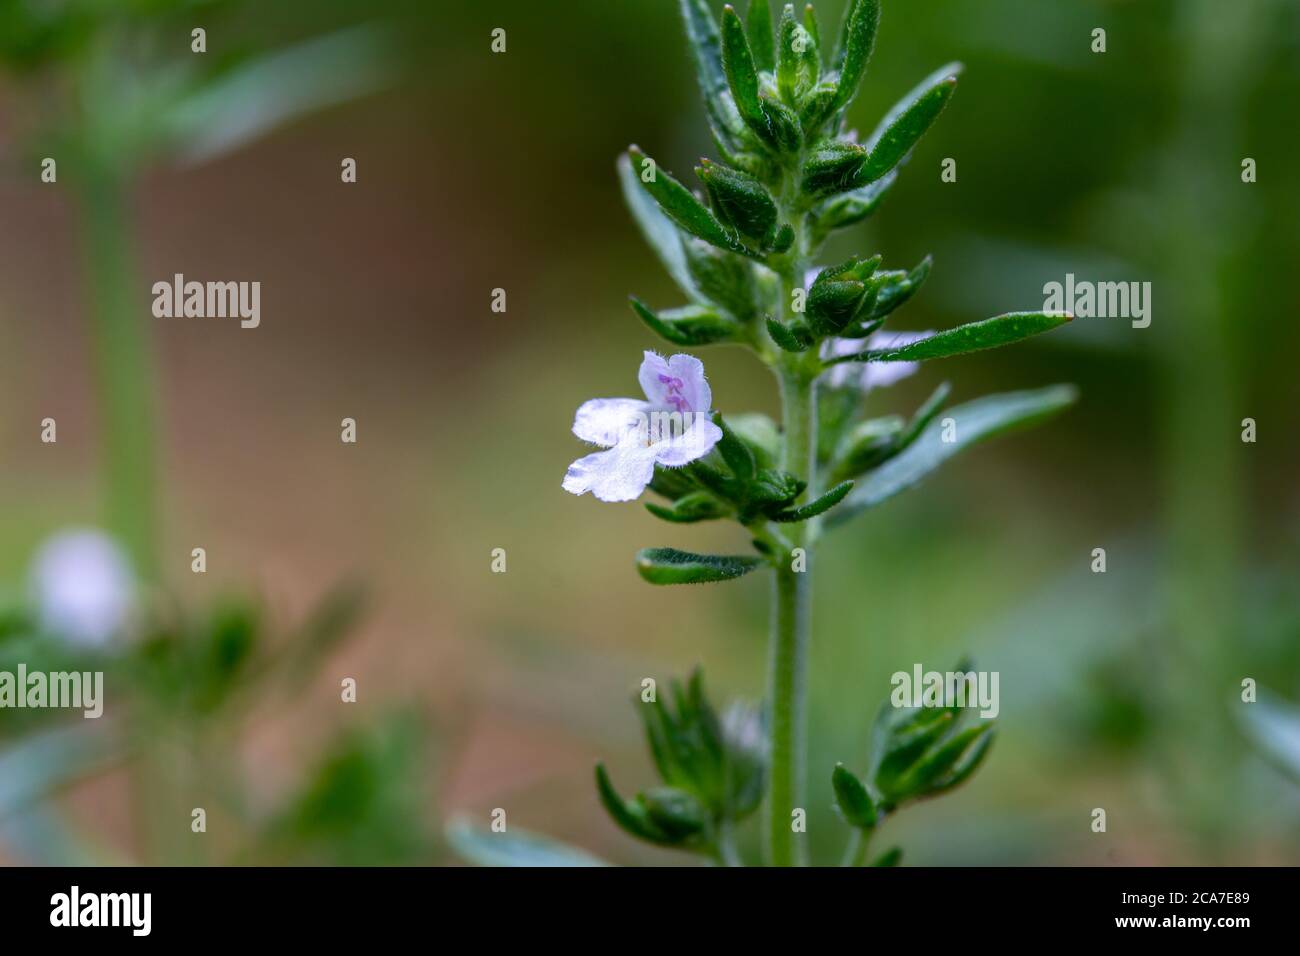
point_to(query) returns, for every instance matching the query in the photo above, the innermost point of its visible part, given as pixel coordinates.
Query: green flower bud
(739, 200)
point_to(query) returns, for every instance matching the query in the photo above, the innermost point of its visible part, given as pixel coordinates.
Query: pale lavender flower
(83, 587)
(869, 375)
(671, 428)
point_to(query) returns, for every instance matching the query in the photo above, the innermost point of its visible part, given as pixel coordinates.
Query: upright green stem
(791, 633)
(124, 368)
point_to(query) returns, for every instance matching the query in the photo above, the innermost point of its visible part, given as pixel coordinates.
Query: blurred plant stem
(124, 363)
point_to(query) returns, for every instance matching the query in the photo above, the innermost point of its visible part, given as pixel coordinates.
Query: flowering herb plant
(742, 252)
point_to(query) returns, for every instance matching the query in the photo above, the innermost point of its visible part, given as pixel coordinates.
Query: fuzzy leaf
(706, 47)
(974, 422)
(895, 293)
(735, 452)
(825, 503)
(796, 337)
(742, 76)
(690, 508)
(832, 167)
(758, 26)
(515, 848)
(907, 122)
(850, 208)
(670, 566)
(680, 205)
(798, 64)
(857, 38)
(972, 337)
(690, 325)
(741, 201)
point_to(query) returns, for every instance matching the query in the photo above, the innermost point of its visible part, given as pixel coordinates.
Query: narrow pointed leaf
(734, 451)
(907, 123)
(895, 294)
(973, 422)
(924, 415)
(742, 77)
(795, 337)
(630, 816)
(659, 231)
(706, 48)
(798, 65)
(857, 38)
(691, 325)
(825, 503)
(973, 337)
(854, 801)
(758, 26)
(680, 205)
(670, 566)
(514, 848)
(966, 764)
(689, 509)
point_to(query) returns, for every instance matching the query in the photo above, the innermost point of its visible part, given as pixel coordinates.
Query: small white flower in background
(869, 375)
(83, 587)
(677, 395)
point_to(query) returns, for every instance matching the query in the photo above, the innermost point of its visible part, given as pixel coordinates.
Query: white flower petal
(607, 421)
(619, 474)
(83, 587)
(696, 442)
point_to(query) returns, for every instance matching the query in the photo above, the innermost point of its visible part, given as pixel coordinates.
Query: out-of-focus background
(372, 561)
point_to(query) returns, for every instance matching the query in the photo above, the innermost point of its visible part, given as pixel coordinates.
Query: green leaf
(972, 337)
(796, 337)
(761, 434)
(974, 422)
(742, 77)
(832, 167)
(670, 566)
(798, 64)
(782, 124)
(891, 857)
(854, 801)
(812, 25)
(677, 813)
(907, 122)
(923, 778)
(849, 208)
(825, 503)
(734, 451)
(691, 325)
(631, 816)
(966, 764)
(758, 26)
(691, 508)
(514, 848)
(924, 415)
(681, 206)
(723, 278)
(706, 47)
(901, 288)
(250, 100)
(857, 38)
(659, 231)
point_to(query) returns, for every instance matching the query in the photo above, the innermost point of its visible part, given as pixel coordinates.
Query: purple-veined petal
(607, 421)
(619, 474)
(677, 383)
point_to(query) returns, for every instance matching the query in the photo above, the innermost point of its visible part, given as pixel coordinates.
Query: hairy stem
(788, 662)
